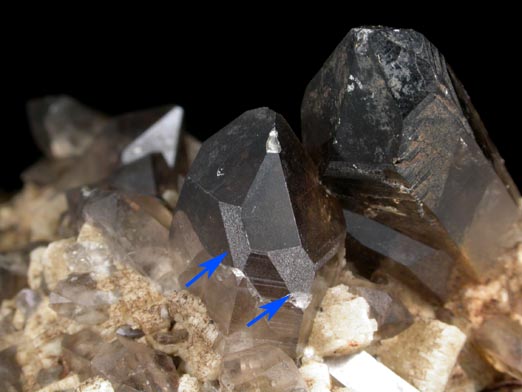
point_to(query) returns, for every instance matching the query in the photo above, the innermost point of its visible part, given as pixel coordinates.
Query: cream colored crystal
(424, 354)
(342, 325)
(187, 383)
(95, 384)
(67, 383)
(316, 376)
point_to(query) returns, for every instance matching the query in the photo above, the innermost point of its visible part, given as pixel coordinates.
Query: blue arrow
(209, 267)
(271, 309)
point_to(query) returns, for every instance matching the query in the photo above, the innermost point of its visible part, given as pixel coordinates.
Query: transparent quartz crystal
(264, 368)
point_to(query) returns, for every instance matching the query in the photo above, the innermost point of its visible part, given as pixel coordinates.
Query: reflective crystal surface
(252, 191)
(161, 137)
(265, 368)
(399, 144)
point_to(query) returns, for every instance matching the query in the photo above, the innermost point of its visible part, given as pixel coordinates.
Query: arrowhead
(211, 265)
(274, 306)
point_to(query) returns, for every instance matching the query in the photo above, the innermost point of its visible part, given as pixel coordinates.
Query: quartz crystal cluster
(391, 233)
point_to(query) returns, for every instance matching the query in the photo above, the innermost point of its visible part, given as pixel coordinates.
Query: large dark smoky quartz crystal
(397, 140)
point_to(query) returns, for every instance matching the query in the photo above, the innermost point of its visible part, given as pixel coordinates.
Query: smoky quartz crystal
(253, 192)
(398, 141)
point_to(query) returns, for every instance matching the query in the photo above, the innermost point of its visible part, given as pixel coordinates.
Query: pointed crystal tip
(272, 143)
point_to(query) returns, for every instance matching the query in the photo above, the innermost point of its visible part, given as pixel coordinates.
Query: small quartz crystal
(264, 368)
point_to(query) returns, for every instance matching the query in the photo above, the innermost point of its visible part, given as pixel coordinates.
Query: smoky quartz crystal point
(397, 140)
(253, 192)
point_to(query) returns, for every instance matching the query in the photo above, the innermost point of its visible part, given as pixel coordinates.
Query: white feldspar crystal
(316, 376)
(187, 383)
(424, 354)
(342, 325)
(363, 373)
(95, 384)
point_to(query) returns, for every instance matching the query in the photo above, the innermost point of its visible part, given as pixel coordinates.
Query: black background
(219, 68)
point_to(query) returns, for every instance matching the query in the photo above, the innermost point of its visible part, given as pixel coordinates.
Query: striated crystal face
(252, 191)
(399, 144)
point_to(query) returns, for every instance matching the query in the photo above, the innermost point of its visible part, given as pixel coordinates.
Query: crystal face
(392, 139)
(252, 191)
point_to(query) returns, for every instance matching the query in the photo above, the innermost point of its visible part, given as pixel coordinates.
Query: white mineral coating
(187, 383)
(342, 324)
(95, 384)
(363, 373)
(316, 376)
(424, 354)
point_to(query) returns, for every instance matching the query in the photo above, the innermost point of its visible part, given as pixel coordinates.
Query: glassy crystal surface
(63, 127)
(253, 191)
(386, 126)
(265, 368)
(78, 298)
(148, 175)
(374, 245)
(501, 340)
(161, 137)
(133, 366)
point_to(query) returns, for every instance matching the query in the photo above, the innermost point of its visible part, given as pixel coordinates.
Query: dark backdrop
(216, 70)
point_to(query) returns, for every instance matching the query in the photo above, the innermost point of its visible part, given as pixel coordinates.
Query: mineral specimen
(391, 136)
(98, 249)
(252, 191)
